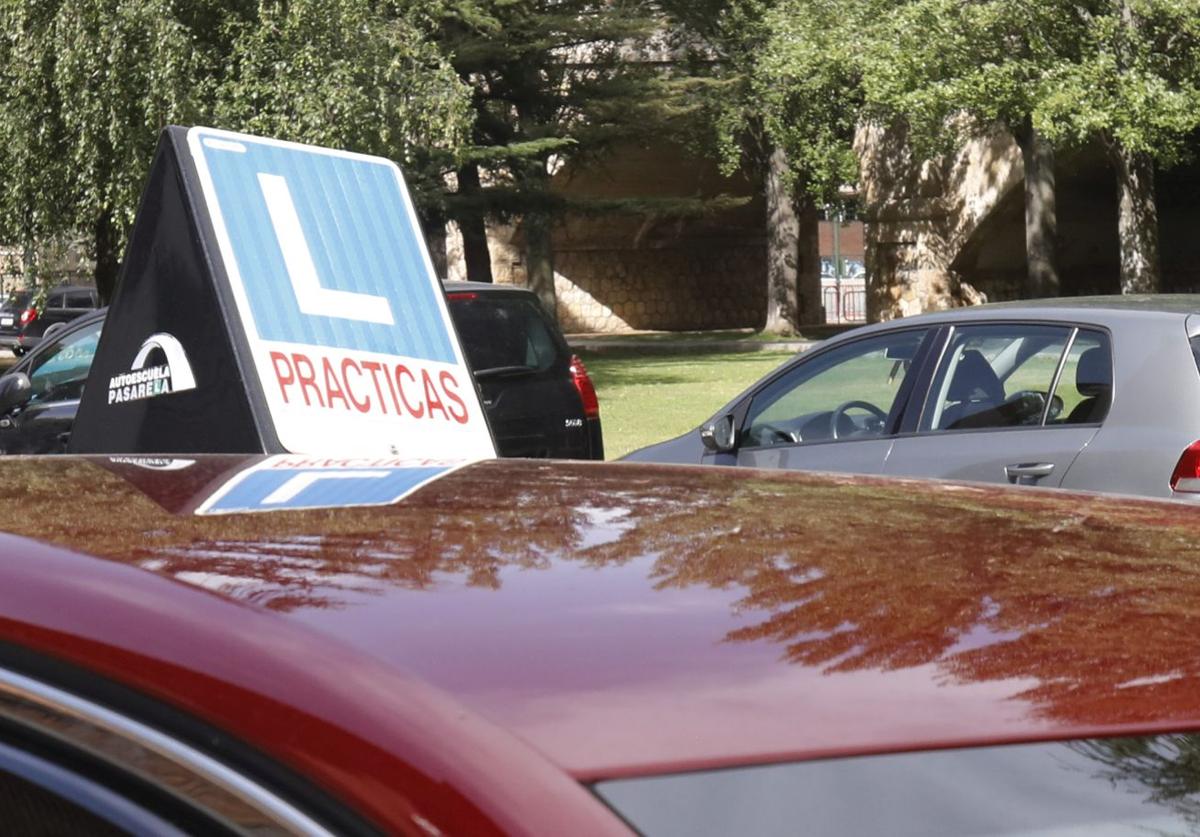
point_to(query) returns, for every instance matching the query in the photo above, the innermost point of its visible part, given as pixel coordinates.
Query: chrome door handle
(1027, 473)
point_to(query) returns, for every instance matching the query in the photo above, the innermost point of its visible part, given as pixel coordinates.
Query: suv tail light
(587, 392)
(1187, 471)
(28, 316)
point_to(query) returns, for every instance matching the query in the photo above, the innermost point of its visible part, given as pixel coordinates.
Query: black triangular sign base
(166, 377)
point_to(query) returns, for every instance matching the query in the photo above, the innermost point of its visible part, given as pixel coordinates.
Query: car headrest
(1093, 376)
(975, 380)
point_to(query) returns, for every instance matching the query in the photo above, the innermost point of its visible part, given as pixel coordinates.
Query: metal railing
(845, 302)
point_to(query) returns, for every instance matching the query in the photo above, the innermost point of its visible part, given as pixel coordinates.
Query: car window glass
(996, 376)
(54, 301)
(1086, 383)
(845, 393)
(503, 331)
(1124, 786)
(15, 301)
(30, 809)
(59, 372)
(79, 300)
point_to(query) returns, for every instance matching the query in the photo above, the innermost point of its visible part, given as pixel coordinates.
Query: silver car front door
(834, 412)
(1009, 403)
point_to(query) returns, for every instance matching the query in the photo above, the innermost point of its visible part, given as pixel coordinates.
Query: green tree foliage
(87, 85)
(345, 74)
(1123, 72)
(951, 68)
(780, 99)
(1133, 78)
(1135, 86)
(553, 83)
(808, 83)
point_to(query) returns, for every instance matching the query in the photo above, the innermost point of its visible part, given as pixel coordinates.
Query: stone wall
(677, 289)
(631, 271)
(920, 214)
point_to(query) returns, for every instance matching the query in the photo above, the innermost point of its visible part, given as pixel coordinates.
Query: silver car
(1098, 393)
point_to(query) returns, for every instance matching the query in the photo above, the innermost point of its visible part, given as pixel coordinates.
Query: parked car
(1100, 393)
(538, 396)
(10, 316)
(36, 417)
(583, 648)
(62, 305)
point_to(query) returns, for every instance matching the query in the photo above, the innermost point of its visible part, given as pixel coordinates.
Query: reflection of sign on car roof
(347, 325)
(291, 482)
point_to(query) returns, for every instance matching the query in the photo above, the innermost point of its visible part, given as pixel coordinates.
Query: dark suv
(14, 306)
(62, 305)
(538, 396)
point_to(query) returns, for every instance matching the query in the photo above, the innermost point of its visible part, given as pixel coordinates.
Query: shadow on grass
(664, 339)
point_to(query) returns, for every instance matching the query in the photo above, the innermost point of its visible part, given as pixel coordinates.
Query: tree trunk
(1137, 221)
(539, 245)
(108, 262)
(539, 259)
(472, 224)
(1041, 213)
(783, 246)
(808, 263)
(435, 242)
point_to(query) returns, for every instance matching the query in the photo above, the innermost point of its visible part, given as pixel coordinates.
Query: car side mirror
(718, 436)
(15, 390)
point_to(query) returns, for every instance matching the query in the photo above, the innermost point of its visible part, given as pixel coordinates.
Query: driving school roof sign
(327, 329)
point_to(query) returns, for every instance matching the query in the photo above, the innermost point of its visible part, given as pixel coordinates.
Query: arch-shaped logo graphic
(142, 381)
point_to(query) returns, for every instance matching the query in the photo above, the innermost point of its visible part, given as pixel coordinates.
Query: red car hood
(628, 619)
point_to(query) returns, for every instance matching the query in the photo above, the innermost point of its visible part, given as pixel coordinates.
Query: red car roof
(628, 620)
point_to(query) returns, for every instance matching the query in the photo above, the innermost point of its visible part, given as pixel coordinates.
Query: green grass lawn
(646, 398)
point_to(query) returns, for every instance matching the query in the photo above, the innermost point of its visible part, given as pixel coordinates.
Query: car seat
(974, 389)
(1093, 379)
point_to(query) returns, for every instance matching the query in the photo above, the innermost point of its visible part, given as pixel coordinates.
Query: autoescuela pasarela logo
(142, 381)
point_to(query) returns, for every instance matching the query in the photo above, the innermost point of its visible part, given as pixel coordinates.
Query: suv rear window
(503, 331)
(16, 300)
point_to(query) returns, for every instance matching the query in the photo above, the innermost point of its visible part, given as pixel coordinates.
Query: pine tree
(553, 82)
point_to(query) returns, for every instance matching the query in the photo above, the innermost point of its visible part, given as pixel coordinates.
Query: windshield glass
(1101, 786)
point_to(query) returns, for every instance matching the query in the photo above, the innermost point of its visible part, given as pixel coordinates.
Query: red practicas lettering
(450, 387)
(285, 376)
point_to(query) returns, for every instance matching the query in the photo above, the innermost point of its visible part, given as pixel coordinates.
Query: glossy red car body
(467, 660)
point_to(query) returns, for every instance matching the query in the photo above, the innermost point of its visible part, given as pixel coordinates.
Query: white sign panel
(346, 322)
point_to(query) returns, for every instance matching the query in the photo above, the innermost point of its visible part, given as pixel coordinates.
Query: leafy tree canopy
(87, 85)
(1133, 81)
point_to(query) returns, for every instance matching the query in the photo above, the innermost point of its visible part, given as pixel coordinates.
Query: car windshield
(502, 333)
(1067, 789)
